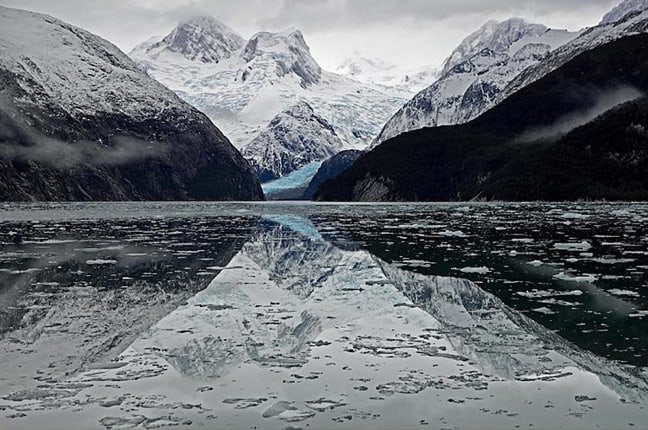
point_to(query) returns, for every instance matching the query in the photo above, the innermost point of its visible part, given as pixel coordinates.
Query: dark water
(140, 315)
(581, 270)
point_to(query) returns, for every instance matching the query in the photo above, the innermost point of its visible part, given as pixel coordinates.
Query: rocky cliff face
(289, 51)
(80, 121)
(494, 36)
(623, 9)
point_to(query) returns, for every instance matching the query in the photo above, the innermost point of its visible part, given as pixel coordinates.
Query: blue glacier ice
(296, 181)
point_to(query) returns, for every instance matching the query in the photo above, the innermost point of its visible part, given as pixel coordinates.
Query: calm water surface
(147, 315)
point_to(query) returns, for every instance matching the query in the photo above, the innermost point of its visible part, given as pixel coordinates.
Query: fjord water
(141, 315)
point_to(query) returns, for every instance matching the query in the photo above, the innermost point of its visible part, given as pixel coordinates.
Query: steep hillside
(548, 141)
(474, 75)
(330, 169)
(80, 121)
(293, 139)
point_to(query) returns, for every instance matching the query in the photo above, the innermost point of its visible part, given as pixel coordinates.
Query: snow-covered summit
(202, 38)
(495, 36)
(288, 50)
(623, 9)
(82, 72)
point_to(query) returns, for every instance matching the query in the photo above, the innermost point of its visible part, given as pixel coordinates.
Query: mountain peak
(622, 10)
(293, 139)
(200, 38)
(288, 50)
(494, 35)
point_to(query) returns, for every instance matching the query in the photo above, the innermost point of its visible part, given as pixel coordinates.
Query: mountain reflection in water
(301, 325)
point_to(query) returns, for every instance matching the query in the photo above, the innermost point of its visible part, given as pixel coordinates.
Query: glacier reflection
(296, 331)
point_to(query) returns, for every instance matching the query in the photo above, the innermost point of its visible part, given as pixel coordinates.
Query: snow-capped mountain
(80, 121)
(477, 71)
(266, 76)
(293, 139)
(494, 36)
(202, 39)
(375, 71)
(524, 148)
(634, 22)
(623, 9)
(288, 50)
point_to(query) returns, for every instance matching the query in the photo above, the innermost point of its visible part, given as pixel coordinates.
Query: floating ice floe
(627, 293)
(573, 246)
(479, 270)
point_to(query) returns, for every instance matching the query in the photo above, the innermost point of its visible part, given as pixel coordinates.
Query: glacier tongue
(293, 185)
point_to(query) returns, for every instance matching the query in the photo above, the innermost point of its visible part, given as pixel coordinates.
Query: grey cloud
(397, 30)
(127, 23)
(323, 14)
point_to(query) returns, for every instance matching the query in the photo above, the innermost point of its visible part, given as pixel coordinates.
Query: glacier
(291, 185)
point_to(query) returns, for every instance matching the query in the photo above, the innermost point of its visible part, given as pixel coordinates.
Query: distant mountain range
(244, 85)
(375, 71)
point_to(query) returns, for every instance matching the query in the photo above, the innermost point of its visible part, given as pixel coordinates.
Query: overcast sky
(405, 32)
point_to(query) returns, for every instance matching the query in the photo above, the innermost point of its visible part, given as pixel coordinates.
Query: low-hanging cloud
(62, 155)
(604, 100)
